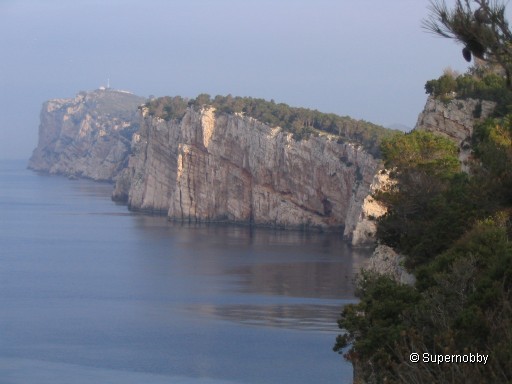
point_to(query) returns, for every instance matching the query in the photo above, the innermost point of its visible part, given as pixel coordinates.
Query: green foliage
(429, 202)
(444, 85)
(167, 108)
(493, 145)
(481, 83)
(470, 285)
(455, 231)
(301, 122)
(432, 203)
(460, 304)
(373, 326)
(425, 224)
(420, 151)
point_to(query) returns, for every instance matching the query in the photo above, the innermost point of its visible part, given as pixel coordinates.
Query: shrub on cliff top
(482, 82)
(167, 108)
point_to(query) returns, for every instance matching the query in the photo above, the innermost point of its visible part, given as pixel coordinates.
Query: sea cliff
(233, 168)
(228, 167)
(210, 166)
(88, 135)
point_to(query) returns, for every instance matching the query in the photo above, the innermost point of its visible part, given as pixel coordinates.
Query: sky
(368, 59)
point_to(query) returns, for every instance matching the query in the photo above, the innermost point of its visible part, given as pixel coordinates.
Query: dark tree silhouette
(479, 25)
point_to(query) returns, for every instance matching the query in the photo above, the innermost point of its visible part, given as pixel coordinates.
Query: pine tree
(480, 26)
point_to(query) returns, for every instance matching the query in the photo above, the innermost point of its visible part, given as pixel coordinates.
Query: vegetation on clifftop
(482, 82)
(455, 232)
(301, 122)
(482, 28)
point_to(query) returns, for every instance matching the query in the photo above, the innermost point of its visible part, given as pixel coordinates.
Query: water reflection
(260, 277)
(92, 293)
(300, 279)
(303, 317)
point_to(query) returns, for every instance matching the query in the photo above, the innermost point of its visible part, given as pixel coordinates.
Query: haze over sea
(91, 293)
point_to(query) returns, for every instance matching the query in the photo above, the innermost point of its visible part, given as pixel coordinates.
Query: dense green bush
(493, 145)
(442, 86)
(481, 83)
(375, 324)
(430, 202)
(167, 108)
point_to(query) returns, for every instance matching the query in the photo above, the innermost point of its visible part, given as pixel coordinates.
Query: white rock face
(234, 168)
(364, 229)
(455, 120)
(386, 261)
(87, 136)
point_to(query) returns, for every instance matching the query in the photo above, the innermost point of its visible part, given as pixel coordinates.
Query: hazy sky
(368, 59)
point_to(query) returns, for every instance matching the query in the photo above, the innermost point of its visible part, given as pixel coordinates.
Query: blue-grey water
(91, 293)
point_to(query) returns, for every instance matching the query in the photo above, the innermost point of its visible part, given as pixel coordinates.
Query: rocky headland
(208, 166)
(87, 136)
(228, 167)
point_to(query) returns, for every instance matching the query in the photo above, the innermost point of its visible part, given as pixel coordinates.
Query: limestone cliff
(87, 136)
(361, 229)
(208, 167)
(454, 119)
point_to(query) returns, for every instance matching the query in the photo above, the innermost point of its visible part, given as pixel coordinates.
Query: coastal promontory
(227, 159)
(86, 136)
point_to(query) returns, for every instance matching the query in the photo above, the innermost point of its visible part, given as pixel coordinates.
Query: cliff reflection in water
(289, 316)
(262, 277)
(326, 280)
(91, 292)
(316, 289)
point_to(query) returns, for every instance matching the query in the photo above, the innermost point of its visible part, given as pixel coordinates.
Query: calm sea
(91, 293)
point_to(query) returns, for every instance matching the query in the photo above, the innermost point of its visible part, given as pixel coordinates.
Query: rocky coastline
(207, 167)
